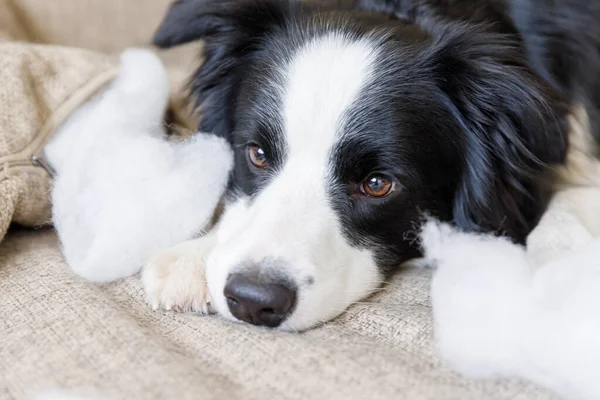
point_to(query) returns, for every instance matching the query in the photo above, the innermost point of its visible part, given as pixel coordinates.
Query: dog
(352, 122)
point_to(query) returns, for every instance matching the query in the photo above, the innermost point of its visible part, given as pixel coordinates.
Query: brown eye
(378, 185)
(257, 156)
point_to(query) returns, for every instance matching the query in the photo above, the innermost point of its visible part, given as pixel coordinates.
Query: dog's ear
(515, 127)
(183, 23)
(189, 20)
(232, 31)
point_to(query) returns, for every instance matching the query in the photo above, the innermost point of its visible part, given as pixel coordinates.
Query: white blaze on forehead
(322, 81)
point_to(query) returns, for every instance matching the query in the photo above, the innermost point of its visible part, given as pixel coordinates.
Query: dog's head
(346, 129)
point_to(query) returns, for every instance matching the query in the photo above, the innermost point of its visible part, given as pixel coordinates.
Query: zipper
(31, 156)
(32, 161)
(39, 161)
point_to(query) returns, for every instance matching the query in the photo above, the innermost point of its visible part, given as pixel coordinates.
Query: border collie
(352, 121)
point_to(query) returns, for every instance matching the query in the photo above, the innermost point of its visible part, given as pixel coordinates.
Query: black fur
(468, 112)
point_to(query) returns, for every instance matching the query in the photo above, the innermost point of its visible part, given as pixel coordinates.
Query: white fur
(175, 279)
(123, 192)
(291, 219)
(319, 85)
(498, 312)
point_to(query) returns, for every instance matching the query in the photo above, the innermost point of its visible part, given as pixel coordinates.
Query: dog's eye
(257, 156)
(378, 185)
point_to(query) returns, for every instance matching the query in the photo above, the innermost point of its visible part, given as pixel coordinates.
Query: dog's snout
(256, 302)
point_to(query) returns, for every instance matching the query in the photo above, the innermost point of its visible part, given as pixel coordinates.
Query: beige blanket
(59, 332)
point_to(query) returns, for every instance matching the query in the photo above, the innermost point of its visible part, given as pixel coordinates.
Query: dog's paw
(175, 279)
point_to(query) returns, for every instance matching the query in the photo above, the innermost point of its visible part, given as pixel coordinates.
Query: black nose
(256, 302)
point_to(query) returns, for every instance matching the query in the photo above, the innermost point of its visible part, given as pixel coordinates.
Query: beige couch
(57, 331)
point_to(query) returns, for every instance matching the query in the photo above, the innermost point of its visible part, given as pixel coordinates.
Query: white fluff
(122, 192)
(499, 314)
